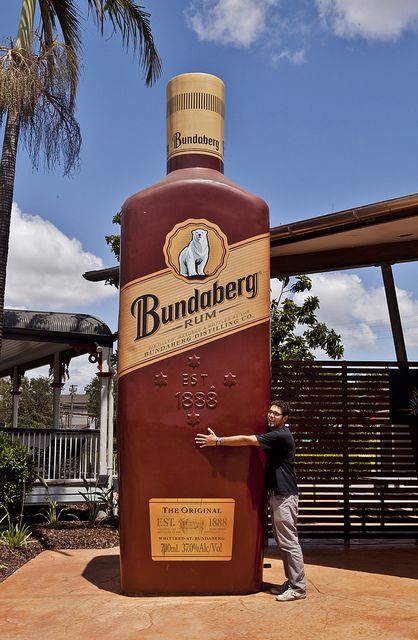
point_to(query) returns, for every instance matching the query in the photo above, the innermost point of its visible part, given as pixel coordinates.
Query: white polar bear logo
(194, 256)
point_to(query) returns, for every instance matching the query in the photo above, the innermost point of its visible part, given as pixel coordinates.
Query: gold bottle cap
(195, 115)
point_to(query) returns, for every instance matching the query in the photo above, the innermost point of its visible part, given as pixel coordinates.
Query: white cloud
(44, 270)
(81, 372)
(359, 313)
(370, 19)
(295, 57)
(237, 22)
(411, 336)
(409, 312)
(284, 29)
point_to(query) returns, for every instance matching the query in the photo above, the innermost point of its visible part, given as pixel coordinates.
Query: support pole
(15, 393)
(56, 386)
(110, 430)
(394, 315)
(399, 341)
(104, 376)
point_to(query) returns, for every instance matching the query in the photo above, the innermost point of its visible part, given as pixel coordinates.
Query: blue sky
(322, 115)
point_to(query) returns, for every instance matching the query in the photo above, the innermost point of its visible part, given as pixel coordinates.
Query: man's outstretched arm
(212, 440)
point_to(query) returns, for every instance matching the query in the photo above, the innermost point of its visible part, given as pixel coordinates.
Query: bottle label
(191, 528)
(209, 290)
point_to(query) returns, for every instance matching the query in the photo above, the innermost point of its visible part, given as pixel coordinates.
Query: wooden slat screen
(357, 472)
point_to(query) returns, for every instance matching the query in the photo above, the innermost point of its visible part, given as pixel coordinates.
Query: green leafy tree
(113, 241)
(38, 83)
(287, 343)
(5, 401)
(35, 403)
(93, 403)
(93, 390)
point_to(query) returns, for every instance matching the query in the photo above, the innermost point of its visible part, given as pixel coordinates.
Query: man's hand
(206, 440)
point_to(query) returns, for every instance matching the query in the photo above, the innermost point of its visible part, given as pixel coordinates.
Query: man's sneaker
(278, 589)
(290, 594)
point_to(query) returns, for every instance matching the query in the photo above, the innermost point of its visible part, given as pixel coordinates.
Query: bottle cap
(195, 115)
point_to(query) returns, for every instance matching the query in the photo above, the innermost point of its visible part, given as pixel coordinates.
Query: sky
(321, 116)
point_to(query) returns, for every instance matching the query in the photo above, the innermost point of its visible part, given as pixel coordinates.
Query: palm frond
(43, 101)
(25, 28)
(133, 23)
(65, 16)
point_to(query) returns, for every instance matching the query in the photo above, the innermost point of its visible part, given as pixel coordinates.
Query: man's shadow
(397, 559)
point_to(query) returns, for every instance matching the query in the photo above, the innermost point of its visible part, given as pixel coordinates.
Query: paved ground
(367, 592)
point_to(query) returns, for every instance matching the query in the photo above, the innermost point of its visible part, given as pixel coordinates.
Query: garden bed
(64, 535)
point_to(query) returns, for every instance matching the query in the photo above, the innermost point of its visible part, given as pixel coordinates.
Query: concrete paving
(366, 592)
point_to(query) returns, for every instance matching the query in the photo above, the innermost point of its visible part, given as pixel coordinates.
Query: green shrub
(16, 534)
(17, 474)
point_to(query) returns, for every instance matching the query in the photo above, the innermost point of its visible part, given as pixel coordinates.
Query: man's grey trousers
(284, 514)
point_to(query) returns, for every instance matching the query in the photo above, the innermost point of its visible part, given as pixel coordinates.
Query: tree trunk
(7, 178)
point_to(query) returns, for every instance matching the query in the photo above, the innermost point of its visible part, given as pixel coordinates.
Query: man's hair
(284, 406)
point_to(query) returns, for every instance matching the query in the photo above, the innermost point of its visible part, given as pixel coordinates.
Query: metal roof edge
(364, 215)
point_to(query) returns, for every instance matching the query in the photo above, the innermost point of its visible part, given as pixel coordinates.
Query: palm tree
(38, 83)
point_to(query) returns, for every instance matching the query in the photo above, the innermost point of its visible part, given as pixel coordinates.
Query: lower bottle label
(191, 528)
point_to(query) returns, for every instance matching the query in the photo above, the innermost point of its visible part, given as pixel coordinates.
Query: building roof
(381, 233)
(31, 338)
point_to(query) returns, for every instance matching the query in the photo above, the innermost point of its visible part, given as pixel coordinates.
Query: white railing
(60, 455)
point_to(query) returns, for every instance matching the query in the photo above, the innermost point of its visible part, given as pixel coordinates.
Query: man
(279, 447)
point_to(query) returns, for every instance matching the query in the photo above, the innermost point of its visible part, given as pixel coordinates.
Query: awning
(32, 338)
(373, 235)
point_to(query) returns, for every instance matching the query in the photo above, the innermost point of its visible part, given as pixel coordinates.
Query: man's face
(275, 417)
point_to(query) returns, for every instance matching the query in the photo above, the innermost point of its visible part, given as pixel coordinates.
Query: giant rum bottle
(193, 353)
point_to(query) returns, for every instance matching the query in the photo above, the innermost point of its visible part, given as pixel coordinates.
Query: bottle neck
(189, 160)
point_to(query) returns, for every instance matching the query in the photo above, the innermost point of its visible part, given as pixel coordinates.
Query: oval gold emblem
(196, 250)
